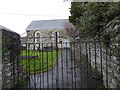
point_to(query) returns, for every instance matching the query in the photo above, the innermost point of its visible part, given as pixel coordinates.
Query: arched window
(37, 37)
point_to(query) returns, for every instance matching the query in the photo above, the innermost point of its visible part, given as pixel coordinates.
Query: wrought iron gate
(61, 65)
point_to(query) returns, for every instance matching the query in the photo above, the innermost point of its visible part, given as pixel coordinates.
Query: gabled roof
(47, 24)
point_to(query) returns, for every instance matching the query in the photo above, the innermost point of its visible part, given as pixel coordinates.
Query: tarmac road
(63, 75)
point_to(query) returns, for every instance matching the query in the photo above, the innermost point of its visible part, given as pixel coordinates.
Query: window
(55, 37)
(38, 37)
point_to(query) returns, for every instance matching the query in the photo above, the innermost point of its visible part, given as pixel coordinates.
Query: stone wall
(10, 60)
(105, 62)
(113, 29)
(105, 59)
(0, 59)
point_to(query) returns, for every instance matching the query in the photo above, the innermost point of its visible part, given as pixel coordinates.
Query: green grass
(44, 62)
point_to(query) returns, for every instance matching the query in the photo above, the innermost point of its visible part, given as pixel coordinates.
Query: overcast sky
(17, 14)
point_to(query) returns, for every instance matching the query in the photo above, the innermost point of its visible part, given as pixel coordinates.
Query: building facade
(43, 33)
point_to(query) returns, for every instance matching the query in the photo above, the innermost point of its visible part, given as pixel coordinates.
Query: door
(66, 44)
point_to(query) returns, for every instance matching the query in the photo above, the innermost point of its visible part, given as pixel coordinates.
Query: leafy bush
(90, 18)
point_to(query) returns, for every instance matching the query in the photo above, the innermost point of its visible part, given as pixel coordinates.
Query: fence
(104, 60)
(71, 65)
(60, 65)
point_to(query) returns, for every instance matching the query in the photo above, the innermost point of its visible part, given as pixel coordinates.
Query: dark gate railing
(62, 64)
(57, 64)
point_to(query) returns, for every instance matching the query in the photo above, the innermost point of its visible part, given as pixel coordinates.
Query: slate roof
(47, 24)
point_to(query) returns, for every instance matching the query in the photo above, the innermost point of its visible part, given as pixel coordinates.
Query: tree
(90, 18)
(70, 29)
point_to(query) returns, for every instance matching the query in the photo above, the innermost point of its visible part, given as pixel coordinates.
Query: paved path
(63, 75)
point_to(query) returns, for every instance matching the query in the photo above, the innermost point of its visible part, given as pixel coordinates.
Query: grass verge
(43, 62)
